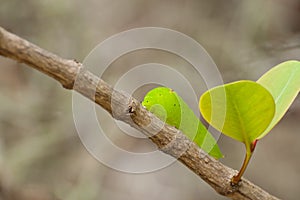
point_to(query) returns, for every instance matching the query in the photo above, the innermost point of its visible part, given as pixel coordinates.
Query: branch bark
(129, 110)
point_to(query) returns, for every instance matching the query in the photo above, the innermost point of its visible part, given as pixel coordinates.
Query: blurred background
(41, 156)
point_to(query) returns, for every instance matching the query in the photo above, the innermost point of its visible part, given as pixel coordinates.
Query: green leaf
(170, 107)
(283, 82)
(241, 110)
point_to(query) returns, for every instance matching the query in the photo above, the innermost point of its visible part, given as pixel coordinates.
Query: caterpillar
(168, 106)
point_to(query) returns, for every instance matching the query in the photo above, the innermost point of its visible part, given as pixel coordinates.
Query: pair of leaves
(245, 110)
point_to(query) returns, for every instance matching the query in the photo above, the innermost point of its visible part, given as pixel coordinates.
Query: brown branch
(127, 109)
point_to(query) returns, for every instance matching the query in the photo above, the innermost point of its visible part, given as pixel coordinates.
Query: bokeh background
(41, 156)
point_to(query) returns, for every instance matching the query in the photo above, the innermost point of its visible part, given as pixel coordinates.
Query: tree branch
(129, 110)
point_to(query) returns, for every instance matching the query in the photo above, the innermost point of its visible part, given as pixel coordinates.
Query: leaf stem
(249, 151)
(236, 179)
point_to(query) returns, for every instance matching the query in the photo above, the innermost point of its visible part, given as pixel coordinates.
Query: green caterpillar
(170, 107)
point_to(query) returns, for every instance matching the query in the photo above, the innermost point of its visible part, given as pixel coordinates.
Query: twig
(127, 109)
